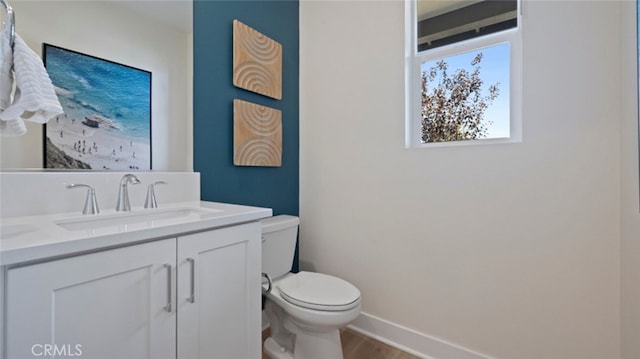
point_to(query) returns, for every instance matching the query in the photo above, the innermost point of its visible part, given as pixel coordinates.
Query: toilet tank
(279, 234)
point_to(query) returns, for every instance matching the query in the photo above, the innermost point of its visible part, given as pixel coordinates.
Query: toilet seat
(319, 292)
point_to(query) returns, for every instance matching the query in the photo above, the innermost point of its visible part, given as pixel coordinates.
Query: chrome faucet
(151, 202)
(123, 194)
(90, 203)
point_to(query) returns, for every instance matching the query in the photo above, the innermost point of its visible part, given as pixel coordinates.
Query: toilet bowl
(305, 309)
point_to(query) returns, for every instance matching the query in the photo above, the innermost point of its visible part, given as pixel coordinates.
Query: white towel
(6, 64)
(34, 98)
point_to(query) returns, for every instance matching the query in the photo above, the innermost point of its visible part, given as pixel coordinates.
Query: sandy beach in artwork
(102, 147)
(106, 123)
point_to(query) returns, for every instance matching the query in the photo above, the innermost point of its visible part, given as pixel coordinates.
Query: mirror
(155, 36)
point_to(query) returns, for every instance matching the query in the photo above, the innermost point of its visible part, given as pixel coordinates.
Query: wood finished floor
(358, 346)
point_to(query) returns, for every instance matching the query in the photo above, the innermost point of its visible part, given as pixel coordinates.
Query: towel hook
(11, 23)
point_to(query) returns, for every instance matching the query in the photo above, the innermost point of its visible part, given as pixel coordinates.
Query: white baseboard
(411, 341)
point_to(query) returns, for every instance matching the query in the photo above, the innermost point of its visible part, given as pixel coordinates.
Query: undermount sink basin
(140, 219)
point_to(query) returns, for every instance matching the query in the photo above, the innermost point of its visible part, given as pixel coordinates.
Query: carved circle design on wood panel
(259, 46)
(259, 153)
(257, 135)
(257, 61)
(262, 121)
(251, 76)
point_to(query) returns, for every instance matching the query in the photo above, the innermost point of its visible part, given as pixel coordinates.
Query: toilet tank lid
(278, 223)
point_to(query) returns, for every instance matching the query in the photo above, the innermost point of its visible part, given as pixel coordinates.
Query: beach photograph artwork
(106, 124)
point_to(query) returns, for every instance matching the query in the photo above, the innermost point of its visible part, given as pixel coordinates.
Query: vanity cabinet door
(110, 304)
(219, 295)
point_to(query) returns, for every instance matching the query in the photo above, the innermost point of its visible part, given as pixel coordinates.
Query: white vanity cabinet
(219, 294)
(193, 296)
(102, 305)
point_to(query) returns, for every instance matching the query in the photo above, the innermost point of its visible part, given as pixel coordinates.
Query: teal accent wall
(213, 95)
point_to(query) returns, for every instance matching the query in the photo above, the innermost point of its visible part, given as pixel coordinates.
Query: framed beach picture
(106, 124)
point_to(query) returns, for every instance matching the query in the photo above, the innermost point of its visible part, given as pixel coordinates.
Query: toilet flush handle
(269, 284)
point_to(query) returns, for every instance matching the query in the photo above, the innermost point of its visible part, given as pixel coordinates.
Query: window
(463, 72)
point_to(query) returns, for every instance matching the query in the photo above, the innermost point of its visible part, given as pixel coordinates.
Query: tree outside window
(461, 97)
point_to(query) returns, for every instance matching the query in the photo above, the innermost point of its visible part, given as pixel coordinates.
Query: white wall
(510, 250)
(630, 206)
(104, 30)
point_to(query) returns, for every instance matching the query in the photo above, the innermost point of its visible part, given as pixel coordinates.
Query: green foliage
(453, 106)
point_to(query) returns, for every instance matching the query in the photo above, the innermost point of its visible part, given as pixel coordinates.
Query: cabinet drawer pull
(169, 305)
(192, 298)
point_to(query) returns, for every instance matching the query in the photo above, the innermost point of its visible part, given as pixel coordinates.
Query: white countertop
(34, 238)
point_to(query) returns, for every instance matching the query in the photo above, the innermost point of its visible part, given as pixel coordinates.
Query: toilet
(305, 309)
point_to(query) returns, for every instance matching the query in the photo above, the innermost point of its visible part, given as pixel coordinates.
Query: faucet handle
(90, 203)
(151, 202)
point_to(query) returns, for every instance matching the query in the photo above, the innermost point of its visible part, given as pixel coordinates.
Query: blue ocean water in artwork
(87, 86)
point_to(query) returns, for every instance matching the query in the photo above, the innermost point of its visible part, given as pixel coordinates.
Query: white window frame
(413, 60)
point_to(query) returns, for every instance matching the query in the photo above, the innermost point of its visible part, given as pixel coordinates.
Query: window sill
(488, 141)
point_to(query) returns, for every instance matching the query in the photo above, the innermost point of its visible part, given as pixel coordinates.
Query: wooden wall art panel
(257, 135)
(257, 61)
